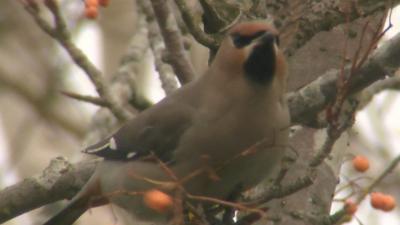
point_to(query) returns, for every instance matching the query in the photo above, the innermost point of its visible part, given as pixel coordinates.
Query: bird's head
(251, 49)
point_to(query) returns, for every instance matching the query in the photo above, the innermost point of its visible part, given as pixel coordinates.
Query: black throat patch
(260, 66)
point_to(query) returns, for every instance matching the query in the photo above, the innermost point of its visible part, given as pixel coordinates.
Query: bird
(223, 132)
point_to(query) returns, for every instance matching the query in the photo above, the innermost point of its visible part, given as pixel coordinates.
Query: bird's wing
(156, 130)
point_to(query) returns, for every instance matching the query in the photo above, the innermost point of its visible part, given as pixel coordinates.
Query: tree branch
(165, 72)
(61, 34)
(86, 98)
(306, 103)
(62, 180)
(177, 56)
(311, 17)
(198, 34)
(58, 181)
(124, 83)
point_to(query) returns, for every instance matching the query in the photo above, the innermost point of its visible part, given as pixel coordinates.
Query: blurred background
(38, 123)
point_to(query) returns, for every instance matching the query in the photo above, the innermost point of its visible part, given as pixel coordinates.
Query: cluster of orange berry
(379, 200)
(92, 7)
(382, 201)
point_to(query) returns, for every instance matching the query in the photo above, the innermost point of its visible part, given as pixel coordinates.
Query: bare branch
(86, 98)
(219, 15)
(194, 29)
(312, 17)
(61, 34)
(177, 56)
(167, 77)
(334, 132)
(392, 83)
(307, 102)
(124, 83)
(58, 181)
(282, 191)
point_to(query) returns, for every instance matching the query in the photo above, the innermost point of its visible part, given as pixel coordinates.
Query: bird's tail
(70, 213)
(89, 196)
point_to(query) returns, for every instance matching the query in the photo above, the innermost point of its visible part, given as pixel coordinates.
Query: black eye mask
(241, 41)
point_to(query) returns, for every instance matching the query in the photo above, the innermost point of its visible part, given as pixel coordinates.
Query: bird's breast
(239, 147)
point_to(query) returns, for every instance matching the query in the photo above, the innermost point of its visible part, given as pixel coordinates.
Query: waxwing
(224, 132)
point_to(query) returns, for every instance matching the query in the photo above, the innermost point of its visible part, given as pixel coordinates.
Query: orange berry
(91, 12)
(104, 3)
(350, 206)
(377, 200)
(389, 203)
(157, 200)
(361, 163)
(91, 3)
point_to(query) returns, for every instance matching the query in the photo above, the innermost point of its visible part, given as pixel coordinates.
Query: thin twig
(61, 34)
(376, 38)
(311, 99)
(86, 98)
(392, 83)
(335, 127)
(333, 134)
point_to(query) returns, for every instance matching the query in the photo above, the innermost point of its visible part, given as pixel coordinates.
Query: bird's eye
(242, 40)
